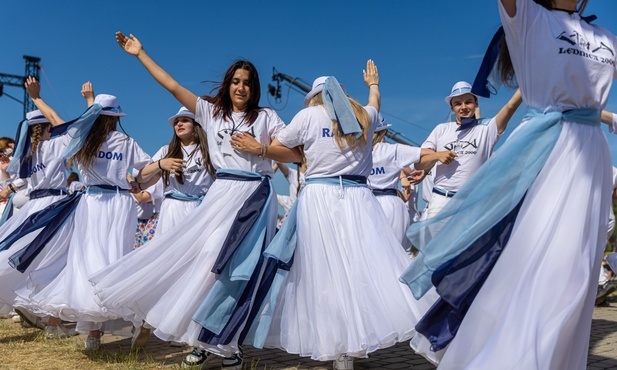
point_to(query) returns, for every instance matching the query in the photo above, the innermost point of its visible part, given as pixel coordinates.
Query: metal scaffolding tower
(32, 69)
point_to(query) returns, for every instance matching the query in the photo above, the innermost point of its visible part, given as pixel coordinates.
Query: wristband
(139, 185)
(376, 84)
(12, 188)
(159, 163)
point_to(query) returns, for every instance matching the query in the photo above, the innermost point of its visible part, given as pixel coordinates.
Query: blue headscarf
(339, 108)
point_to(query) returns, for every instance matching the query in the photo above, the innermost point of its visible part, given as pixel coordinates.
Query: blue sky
(420, 47)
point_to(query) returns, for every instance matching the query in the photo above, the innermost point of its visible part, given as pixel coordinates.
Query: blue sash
(488, 196)
(42, 193)
(185, 197)
(226, 307)
(279, 260)
(458, 270)
(381, 192)
(22, 146)
(8, 210)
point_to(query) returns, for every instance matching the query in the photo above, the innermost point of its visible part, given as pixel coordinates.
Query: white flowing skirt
(535, 309)
(172, 212)
(342, 294)
(104, 231)
(54, 252)
(397, 216)
(165, 282)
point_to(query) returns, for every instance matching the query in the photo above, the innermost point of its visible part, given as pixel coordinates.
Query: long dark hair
(222, 101)
(174, 150)
(97, 136)
(505, 67)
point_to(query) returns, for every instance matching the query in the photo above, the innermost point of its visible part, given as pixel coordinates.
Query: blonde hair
(36, 132)
(350, 139)
(378, 137)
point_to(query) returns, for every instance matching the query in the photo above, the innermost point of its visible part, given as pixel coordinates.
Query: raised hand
(130, 44)
(33, 87)
(371, 75)
(88, 92)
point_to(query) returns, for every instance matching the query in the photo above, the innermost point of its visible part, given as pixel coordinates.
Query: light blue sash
(339, 108)
(80, 129)
(185, 197)
(19, 154)
(490, 194)
(282, 248)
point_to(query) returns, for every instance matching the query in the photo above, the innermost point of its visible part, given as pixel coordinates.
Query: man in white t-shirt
(462, 146)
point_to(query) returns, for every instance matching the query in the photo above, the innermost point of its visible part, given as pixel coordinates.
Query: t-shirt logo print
(599, 52)
(229, 132)
(458, 145)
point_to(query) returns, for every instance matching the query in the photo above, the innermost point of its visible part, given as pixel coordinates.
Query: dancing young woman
(217, 254)
(340, 298)
(531, 224)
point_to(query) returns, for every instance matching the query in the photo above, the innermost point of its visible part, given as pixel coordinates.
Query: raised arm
(132, 46)
(371, 79)
(34, 90)
(506, 113)
(509, 6)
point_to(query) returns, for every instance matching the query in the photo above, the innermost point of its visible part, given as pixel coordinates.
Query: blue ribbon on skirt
(238, 265)
(279, 260)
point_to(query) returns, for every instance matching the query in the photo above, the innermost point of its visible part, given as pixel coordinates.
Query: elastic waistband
(445, 193)
(42, 193)
(239, 175)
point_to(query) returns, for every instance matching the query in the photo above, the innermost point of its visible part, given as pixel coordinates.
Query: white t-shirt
(473, 147)
(388, 161)
(312, 128)
(560, 61)
(427, 186)
(219, 130)
(115, 156)
(197, 180)
(47, 167)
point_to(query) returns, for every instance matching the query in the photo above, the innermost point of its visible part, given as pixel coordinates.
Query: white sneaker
(343, 363)
(234, 362)
(56, 332)
(93, 344)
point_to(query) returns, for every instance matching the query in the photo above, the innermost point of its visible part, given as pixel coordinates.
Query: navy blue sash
(245, 218)
(458, 282)
(380, 192)
(42, 193)
(50, 219)
(244, 221)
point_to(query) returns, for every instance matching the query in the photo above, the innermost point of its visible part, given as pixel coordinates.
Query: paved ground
(602, 351)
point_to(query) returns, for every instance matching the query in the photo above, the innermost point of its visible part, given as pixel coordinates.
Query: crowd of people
(188, 245)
